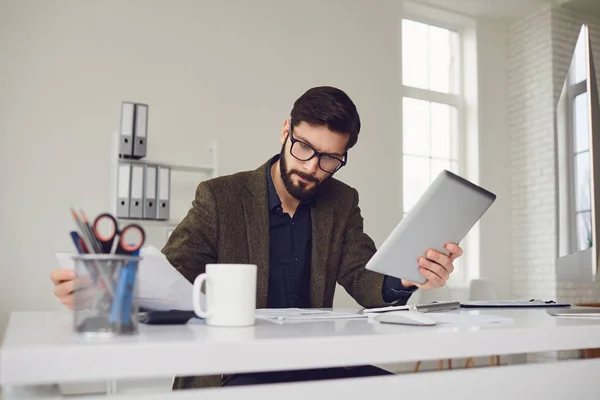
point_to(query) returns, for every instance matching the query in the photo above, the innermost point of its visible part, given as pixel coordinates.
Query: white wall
(494, 171)
(223, 70)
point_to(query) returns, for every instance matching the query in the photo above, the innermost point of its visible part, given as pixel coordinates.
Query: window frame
(460, 25)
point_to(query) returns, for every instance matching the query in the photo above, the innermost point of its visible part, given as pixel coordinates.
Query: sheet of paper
(160, 285)
(464, 318)
(284, 315)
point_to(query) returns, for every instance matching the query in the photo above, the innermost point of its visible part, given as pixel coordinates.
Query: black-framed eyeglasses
(303, 151)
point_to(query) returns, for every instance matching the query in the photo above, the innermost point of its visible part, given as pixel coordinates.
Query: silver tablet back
(445, 213)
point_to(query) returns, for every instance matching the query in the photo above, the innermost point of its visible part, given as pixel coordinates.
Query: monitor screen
(576, 138)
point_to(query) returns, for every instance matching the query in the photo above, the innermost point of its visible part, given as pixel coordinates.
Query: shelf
(160, 222)
(181, 168)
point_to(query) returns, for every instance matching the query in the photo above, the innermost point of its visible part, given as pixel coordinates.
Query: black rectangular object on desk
(168, 317)
(512, 304)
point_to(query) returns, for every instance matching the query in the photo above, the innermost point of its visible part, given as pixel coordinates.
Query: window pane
(439, 59)
(437, 166)
(414, 54)
(582, 181)
(415, 127)
(584, 230)
(580, 110)
(444, 131)
(415, 173)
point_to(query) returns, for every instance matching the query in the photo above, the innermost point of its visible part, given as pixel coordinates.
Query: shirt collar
(274, 200)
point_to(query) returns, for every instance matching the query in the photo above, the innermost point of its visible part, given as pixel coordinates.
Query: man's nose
(311, 165)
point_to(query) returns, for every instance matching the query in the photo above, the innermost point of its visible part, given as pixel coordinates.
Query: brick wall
(530, 126)
(540, 47)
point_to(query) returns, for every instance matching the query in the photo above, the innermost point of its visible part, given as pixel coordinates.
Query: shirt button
(295, 258)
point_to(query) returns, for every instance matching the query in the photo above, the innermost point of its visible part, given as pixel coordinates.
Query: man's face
(302, 178)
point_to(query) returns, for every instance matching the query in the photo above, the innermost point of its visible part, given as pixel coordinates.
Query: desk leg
(111, 388)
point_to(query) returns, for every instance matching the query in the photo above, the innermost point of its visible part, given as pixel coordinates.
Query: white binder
(127, 129)
(123, 185)
(140, 131)
(137, 191)
(163, 190)
(150, 192)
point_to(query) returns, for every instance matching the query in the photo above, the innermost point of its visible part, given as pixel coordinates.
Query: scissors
(121, 245)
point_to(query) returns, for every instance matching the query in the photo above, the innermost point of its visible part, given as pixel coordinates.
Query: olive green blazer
(229, 223)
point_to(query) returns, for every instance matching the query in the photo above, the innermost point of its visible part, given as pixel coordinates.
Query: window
(431, 110)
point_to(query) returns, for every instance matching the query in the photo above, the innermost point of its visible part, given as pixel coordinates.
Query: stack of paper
(283, 315)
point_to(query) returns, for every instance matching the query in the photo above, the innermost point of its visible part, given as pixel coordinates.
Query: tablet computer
(445, 213)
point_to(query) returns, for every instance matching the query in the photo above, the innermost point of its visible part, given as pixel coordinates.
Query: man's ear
(285, 131)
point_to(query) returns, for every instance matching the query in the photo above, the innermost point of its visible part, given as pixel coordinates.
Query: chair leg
(470, 362)
(497, 360)
(449, 364)
(492, 360)
(417, 366)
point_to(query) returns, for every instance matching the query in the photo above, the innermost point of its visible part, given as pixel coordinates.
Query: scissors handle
(124, 247)
(106, 241)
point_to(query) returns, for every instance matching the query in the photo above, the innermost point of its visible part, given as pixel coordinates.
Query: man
(299, 225)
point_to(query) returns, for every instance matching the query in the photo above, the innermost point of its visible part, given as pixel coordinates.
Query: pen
(88, 243)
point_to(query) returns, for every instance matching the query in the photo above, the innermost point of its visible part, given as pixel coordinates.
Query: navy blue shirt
(290, 256)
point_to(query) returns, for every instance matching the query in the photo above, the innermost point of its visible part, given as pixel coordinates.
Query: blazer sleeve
(193, 243)
(366, 287)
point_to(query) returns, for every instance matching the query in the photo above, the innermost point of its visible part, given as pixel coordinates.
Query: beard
(300, 191)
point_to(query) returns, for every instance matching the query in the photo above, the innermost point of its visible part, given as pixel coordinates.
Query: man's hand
(436, 267)
(65, 282)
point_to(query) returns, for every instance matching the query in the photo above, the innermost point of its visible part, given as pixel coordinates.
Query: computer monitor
(578, 168)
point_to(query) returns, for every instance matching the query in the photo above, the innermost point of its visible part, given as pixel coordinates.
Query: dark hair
(326, 105)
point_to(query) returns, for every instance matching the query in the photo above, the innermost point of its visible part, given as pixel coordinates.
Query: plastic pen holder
(105, 294)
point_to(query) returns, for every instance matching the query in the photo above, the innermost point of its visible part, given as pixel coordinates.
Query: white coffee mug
(230, 294)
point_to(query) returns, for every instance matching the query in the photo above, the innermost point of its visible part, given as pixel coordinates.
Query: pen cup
(105, 294)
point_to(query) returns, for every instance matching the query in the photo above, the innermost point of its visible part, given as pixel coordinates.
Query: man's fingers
(437, 269)
(64, 288)
(432, 279)
(68, 301)
(440, 259)
(60, 275)
(455, 251)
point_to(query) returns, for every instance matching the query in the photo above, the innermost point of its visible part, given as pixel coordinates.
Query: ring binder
(163, 192)
(123, 185)
(127, 129)
(149, 192)
(140, 137)
(137, 191)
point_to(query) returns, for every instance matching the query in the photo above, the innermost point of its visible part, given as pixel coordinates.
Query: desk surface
(40, 347)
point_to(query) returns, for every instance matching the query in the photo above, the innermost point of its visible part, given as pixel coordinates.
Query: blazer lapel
(256, 215)
(322, 225)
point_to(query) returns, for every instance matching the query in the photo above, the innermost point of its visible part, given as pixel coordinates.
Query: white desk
(40, 349)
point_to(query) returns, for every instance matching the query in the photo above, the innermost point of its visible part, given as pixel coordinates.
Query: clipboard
(533, 303)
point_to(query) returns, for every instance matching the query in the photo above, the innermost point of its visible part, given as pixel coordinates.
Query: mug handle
(196, 296)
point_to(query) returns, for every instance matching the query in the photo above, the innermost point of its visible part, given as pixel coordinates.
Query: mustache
(305, 176)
